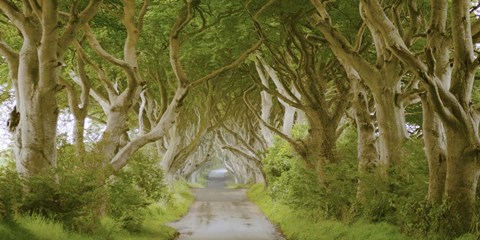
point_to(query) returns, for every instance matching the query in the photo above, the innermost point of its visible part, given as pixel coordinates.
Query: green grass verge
(295, 226)
(38, 228)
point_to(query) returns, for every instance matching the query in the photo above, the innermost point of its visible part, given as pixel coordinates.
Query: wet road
(224, 214)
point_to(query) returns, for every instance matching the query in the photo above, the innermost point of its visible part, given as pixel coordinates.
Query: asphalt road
(224, 214)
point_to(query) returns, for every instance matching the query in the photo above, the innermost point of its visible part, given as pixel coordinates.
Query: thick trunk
(35, 150)
(111, 141)
(461, 181)
(391, 127)
(367, 152)
(435, 147)
(321, 146)
(433, 131)
(39, 64)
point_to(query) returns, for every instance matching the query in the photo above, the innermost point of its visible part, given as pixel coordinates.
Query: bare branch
(12, 13)
(184, 17)
(131, 75)
(274, 92)
(12, 58)
(343, 50)
(141, 16)
(100, 73)
(76, 22)
(300, 148)
(232, 65)
(241, 140)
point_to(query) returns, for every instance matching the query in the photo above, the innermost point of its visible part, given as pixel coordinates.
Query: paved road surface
(224, 214)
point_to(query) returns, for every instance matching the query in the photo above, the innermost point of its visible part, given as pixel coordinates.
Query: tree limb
(300, 148)
(232, 65)
(75, 22)
(12, 13)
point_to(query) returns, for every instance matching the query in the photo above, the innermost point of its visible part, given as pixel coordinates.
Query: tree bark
(433, 132)
(461, 181)
(390, 121)
(435, 150)
(367, 149)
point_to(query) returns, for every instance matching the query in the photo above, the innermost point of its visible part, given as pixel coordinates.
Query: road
(224, 214)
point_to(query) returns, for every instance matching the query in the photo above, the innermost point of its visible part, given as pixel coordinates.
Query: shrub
(10, 192)
(425, 218)
(338, 196)
(70, 193)
(133, 189)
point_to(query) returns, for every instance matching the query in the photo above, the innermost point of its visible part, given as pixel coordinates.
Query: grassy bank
(158, 214)
(295, 225)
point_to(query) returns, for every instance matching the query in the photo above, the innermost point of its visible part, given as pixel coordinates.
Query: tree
(184, 85)
(383, 78)
(449, 86)
(34, 70)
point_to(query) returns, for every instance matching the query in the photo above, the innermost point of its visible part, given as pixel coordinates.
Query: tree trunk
(461, 180)
(36, 83)
(320, 144)
(267, 105)
(288, 119)
(367, 152)
(111, 141)
(172, 149)
(391, 126)
(36, 149)
(435, 147)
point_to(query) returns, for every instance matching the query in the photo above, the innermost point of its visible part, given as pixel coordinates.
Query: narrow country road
(224, 214)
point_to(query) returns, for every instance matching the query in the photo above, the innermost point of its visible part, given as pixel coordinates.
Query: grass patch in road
(158, 214)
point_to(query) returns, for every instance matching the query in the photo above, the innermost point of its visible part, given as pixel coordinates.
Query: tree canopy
(200, 81)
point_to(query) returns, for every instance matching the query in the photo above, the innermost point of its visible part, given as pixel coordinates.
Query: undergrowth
(393, 204)
(36, 227)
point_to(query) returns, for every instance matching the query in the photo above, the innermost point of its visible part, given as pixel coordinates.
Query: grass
(295, 226)
(38, 228)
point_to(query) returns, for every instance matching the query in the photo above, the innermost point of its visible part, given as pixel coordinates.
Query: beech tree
(382, 78)
(46, 33)
(446, 76)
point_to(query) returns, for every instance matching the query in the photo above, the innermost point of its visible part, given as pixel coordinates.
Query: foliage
(429, 218)
(33, 227)
(70, 193)
(294, 225)
(406, 184)
(10, 192)
(133, 189)
(75, 193)
(398, 199)
(290, 182)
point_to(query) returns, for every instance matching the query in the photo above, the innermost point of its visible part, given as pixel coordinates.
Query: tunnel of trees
(361, 109)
